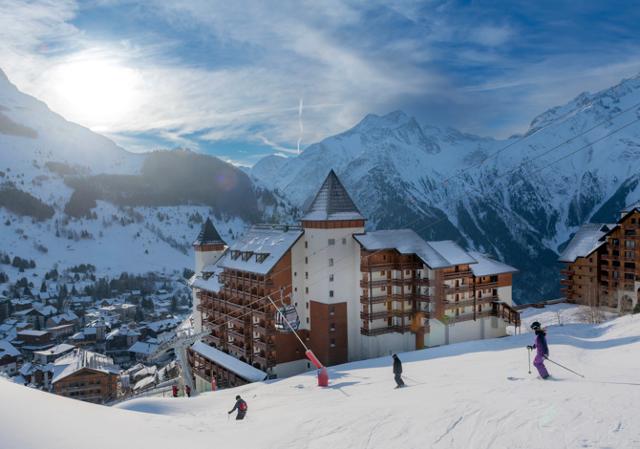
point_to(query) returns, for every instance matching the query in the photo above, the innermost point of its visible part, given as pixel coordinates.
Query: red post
(323, 377)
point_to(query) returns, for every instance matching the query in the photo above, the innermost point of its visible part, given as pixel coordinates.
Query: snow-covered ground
(459, 396)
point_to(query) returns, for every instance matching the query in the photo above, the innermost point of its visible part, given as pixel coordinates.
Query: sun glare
(97, 93)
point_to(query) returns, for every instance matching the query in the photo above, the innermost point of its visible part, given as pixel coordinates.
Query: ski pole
(529, 358)
(563, 367)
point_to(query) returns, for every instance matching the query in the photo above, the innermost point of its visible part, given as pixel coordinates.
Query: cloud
(206, 71)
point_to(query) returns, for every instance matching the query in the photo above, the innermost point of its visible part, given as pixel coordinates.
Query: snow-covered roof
(211, 284)
(260, 249)
(487, 266)
(47, 310)
(124, 331)
(588, 238)
(406, 241)
(80, 359)
(142, 347)
(64, 317)
(32, 333)
(164, 325)
(332, 202)
(230, 363)
(56, 350)
(208, 235)
(7, 349)
(143, 383)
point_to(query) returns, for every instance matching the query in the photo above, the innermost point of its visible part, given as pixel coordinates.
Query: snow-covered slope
(40, 151)
(459, 396)
(509, 198)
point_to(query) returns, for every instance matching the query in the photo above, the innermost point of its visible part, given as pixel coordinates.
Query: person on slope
(241, 406)
(397, 371)
(187, 390)
(542, 349)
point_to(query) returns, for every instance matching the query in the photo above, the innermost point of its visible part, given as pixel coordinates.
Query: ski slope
(458, 396)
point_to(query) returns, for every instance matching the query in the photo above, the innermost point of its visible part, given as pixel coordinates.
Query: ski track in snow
(463, 400)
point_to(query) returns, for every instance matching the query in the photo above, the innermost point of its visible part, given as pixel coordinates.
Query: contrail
(300, 127)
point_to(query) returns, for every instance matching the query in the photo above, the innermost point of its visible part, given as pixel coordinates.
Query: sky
(245, 79)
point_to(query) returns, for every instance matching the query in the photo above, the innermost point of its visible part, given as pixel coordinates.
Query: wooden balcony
(237, 347)
(449, 289)
(235, 332)
(566, 282)
(385, 330)
(263, 344)
(265, 329)
(483, 285)
(376, 299)
(402, 313)
(265, 360)
(369, 316)
(215, 339)
(457, 274)
(566, 272)
(375, 283)
(463, 303)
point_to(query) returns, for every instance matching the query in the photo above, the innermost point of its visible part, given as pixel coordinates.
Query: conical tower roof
(208, 235)
(332, 203)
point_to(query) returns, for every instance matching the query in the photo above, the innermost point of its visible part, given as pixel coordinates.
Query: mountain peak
(390, 120)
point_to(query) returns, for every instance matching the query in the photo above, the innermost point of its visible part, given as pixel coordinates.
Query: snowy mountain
(70, 196)
(492, 403)
(509, 198)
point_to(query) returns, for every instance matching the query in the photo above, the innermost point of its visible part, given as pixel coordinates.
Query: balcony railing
(369, 316)
(449, 289)
(385, 330)
(373, 283)
(376, 299)
(457, 274)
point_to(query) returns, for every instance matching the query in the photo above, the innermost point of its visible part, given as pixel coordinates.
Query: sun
(94, 92)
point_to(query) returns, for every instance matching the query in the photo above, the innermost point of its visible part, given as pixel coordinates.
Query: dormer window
(260, 257)
(246, 255)
(235, 254)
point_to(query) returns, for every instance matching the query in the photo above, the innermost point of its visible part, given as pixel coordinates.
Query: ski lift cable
(434, 223)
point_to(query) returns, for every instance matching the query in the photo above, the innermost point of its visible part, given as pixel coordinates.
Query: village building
(85, 375)
(10, 358)
(50, 355)
(350, 294)
(601, 263)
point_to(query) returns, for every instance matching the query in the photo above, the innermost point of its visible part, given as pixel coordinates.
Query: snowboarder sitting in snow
(397, 371)
(241, 406)
(542, 349)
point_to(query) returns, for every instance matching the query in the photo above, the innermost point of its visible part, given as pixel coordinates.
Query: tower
(332, 269)
(209, 246)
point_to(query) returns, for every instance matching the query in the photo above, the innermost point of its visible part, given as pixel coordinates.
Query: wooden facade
(88, 385)
(609, 275)
(242, 320)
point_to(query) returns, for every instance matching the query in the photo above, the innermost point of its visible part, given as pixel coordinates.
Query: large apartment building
(601, 263)
(353, 294)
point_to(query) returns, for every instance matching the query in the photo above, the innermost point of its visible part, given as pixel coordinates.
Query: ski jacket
(397, 366)
(542, 349)
(240, 405)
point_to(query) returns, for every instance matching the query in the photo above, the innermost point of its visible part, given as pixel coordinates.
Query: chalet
(351, 294)
(34, 340)
(601, 263)
(50, 355)
(10, 357)
(85, 375)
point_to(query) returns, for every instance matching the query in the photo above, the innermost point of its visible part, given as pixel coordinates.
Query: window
(407, 272)
(333, 342)
(295, 289)
(344, 240)
(307, 320)
(382, 273)
(332, 242)
(332, 327)
(306, 244)
(330, 293)
(307, 305)
(306, 260)
(332, 309)
(331, 262)
(331, 278)
(295, 273)
(306, 275)
(306, 290)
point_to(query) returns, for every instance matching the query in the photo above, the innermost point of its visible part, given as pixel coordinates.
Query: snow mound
(467, 395)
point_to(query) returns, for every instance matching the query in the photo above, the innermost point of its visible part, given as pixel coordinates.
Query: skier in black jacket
(241, 406)
(397, 371)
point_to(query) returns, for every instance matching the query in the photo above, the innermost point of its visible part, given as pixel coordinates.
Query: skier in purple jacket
(542, 349)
